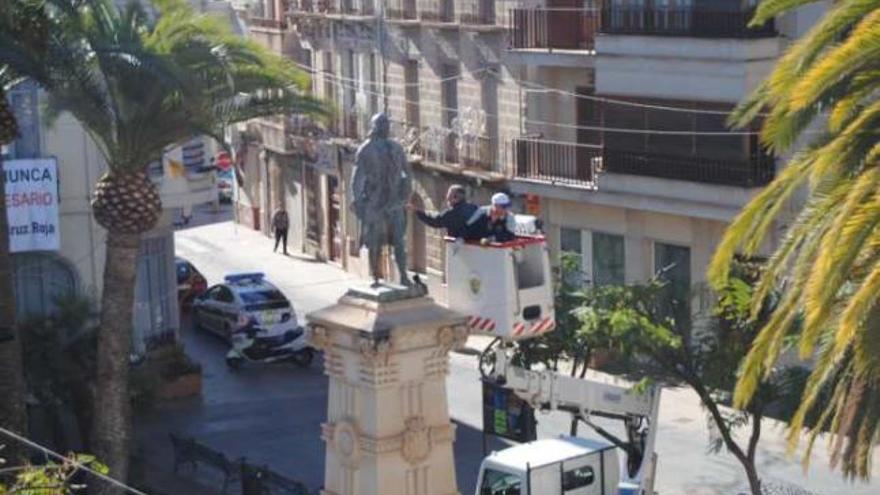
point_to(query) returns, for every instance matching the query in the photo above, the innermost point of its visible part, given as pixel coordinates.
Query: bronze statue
(381, 185)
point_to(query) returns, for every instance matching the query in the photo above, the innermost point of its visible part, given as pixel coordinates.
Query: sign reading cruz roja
(32, 204)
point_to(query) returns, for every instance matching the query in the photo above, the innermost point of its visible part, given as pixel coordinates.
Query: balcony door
(587, 117)
(563, 26)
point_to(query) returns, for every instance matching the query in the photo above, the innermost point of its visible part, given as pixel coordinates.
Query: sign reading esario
(32, 204)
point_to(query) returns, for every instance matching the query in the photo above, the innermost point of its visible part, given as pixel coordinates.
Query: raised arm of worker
(439, 220)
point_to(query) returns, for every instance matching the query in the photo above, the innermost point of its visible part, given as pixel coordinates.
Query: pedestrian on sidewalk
(280, 224)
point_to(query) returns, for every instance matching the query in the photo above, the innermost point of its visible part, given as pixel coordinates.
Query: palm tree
(823, 91)
(140, 85)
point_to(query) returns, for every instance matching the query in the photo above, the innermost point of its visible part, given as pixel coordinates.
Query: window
(39, 280)
(264, 300)
(224, 295)
(570, 246)
(155, 305)
(23, 99)
(578, 478)
(727, 147)
(529, 267)
(449, 100)
(373, 87)
(328, 78)
(499, 483)
(673, 264)
(608, 259)
(411, 78)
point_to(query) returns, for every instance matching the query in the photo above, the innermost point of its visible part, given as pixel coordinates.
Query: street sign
(32, 204)
(506, 415)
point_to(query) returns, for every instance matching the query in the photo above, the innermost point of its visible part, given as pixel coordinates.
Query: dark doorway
(334, 240)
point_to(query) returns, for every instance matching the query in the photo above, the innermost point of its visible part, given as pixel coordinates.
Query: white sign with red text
(32, 204)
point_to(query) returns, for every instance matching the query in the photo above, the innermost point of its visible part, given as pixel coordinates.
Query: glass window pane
(499, 483)
(608, 259)
(627, 117)
(673, 264)
(570, 240)
(577, 478)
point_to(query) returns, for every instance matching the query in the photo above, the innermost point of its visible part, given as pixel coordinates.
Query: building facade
(607, 120)
(77, 267)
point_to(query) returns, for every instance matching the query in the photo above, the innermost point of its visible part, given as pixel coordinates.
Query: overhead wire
(349, 87)
(78, 465)
(535, 87)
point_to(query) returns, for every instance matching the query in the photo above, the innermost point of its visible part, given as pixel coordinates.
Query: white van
(558, 466)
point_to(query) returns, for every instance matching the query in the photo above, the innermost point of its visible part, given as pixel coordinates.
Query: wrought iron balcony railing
(437, 11)
(686, 22)
(752, 171)
(572, 29)
(401, 10)
(556, 162)
(478, 12)
(264, 23)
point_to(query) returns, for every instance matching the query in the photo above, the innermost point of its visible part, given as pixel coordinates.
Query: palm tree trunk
(13, 411)
(111, 430)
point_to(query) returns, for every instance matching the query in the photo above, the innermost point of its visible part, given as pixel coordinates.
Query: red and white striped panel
(542, 326)
(537, 327)
(481, 324)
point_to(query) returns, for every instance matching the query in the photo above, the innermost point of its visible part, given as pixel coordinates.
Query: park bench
(256, 480)
(189, 451)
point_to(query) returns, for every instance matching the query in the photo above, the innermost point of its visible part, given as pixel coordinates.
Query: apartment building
(625, 136)
(436, 68)
(606, 119)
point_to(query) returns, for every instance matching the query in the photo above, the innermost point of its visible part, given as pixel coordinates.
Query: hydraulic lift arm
(584, 399)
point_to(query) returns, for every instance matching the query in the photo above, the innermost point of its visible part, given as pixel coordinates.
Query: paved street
(272, 414)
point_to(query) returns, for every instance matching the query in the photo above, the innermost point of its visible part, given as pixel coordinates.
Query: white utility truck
(571, 465)
(506, 290)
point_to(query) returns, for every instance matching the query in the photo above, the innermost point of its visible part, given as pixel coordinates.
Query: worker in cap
(493, 223)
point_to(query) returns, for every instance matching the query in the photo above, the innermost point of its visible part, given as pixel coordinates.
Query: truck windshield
(499, 483)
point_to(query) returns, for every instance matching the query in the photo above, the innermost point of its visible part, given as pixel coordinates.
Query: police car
(242, 298)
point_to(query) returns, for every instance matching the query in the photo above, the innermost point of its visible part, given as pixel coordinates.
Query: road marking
(188, 245)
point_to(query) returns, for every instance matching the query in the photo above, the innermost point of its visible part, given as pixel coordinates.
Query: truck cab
(557, 466)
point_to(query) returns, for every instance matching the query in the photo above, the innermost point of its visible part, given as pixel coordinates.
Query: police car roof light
(236, 278)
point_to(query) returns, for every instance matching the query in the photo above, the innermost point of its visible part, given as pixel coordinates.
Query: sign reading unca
(32, 204)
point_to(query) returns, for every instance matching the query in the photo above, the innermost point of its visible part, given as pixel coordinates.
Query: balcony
(401, 10)
(549, 29)
(478, 13)
(755, 171)
(689, 22)
(438, 11)
(560, 163)
(479, 152)
(313, 7)
(263, 23)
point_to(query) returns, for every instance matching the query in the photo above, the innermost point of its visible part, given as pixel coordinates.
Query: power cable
(49, 452)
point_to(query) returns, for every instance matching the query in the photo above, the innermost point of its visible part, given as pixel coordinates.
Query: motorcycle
(251, 344)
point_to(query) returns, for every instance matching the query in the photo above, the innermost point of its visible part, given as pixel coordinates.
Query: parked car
(224, 186)
(190, 282)
(243, 299)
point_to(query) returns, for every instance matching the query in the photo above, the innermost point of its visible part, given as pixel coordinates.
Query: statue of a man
(381, 185)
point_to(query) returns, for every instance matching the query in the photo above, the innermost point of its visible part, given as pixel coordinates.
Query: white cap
(500, 199)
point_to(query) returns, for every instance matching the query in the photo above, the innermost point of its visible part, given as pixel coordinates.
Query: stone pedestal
(386, 351)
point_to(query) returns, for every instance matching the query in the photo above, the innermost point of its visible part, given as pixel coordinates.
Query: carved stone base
(388, 430)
